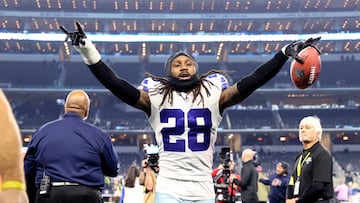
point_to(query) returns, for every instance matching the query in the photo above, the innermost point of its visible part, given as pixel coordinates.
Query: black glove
(311, 42)
(83, 45)
(292, 50)
(76, 37)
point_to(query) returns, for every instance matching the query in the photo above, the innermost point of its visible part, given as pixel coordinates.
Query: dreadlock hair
(167, 88)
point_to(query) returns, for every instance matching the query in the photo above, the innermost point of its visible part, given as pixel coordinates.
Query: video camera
(225, 156)
(152, 155)
(221, 189)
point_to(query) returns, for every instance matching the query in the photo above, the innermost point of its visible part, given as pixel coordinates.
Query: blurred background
(38, 68)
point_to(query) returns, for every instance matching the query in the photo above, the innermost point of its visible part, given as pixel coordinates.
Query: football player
(184, 109)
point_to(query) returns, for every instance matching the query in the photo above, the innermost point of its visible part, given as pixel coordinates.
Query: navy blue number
(195, 129)
(178, 114)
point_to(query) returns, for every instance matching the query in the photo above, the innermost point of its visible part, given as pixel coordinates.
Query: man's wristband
(12, 184)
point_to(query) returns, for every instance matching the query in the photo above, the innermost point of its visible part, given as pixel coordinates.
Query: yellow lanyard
(301, 163)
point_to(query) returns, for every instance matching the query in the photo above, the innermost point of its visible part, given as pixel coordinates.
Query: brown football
(304, 75)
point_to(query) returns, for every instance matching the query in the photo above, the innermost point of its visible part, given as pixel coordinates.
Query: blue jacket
(69, 149)
(278, 185)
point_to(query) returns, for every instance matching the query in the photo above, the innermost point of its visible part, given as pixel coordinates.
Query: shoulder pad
(216, 76)
(148, 83)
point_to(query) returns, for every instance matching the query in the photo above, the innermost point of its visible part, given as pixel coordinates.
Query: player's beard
(183, 85)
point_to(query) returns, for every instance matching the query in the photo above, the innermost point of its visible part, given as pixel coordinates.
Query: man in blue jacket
(67, 158)
(278, 183)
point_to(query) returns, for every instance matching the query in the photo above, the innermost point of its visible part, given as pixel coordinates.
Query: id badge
(296, 187)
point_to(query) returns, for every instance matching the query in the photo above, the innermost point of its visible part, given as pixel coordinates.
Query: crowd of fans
(110, 115)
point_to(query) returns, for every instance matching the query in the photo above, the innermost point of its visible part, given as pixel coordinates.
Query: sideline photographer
(225, 191)
(151, 169)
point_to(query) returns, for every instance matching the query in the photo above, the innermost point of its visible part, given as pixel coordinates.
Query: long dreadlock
(168, 89)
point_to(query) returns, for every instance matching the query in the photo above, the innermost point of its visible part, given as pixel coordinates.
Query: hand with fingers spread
(76, 37)
(82, 44)
(292, 50)
(311, 42)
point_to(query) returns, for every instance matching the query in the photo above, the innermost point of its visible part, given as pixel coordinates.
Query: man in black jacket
(311, 179)
(249, 178)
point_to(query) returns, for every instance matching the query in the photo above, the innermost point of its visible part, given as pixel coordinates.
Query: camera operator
(232, 188)
(225, 191)
(249, 177)
(151, 168)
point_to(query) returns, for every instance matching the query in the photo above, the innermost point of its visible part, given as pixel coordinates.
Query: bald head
(247, 155)
(77, 101)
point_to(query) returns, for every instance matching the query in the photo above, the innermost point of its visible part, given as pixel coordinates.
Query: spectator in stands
(348, 177)
(278, 182)
(117, 190)
(184, 110)
(72, 155)
(220, 178)
(353, 190)
(133, 191)
(263, 190)
(342, 192)
(249, 178)
(311, 179)
(11, 168)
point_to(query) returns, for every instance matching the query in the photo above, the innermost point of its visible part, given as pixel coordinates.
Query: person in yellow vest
(13, 187)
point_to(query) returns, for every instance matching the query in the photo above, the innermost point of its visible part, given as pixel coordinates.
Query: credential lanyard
(301, 163)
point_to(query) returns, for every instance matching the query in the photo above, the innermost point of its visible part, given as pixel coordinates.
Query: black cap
(284, 165)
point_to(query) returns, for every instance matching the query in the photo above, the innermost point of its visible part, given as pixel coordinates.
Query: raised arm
(265, 72)
(105, 74)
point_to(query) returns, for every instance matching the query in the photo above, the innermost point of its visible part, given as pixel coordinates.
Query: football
(304, 75)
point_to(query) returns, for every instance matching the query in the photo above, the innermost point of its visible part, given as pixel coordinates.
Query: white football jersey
(186, 132)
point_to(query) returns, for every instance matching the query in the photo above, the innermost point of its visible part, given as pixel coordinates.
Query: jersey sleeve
(220, 78)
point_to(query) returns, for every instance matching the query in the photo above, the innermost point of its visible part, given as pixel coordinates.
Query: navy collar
(72, 114)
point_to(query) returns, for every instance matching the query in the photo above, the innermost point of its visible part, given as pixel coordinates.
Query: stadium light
(185, 37)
